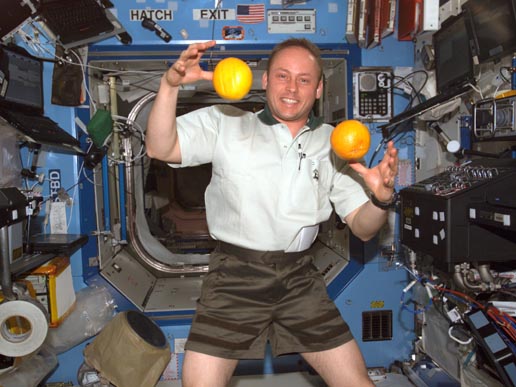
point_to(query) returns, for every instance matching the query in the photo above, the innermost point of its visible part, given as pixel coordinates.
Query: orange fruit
(350, 140)
(232, 78)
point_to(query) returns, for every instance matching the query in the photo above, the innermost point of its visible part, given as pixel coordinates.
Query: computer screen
(453, 58)
(492, 25)
(22, 83)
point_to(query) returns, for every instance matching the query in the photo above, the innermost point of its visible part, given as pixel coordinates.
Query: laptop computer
(57, 243)
(75, 23)
(454, 67)
(22, 104)
(14, 13)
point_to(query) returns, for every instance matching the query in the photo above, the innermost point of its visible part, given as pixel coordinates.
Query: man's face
(292, 85)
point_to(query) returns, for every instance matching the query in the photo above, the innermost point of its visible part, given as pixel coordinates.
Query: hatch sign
(153, 14)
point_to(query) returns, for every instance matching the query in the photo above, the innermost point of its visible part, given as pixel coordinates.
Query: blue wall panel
(354, 297)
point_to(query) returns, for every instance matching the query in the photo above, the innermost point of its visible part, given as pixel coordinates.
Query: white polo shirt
(268, 191)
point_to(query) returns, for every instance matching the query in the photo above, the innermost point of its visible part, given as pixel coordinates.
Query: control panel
(457, 179)
(292, 21)
(372, 93)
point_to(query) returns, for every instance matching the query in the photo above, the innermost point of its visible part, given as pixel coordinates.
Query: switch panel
(291, 21)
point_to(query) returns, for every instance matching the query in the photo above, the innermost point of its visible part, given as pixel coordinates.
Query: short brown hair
(297, 42)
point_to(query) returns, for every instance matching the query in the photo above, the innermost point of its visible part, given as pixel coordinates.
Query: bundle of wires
(403, 128)
(502, 320)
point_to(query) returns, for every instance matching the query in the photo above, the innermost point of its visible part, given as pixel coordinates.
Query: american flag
(250, 13)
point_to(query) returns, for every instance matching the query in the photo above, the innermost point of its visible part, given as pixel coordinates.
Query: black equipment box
(464, 214)
(13, 205)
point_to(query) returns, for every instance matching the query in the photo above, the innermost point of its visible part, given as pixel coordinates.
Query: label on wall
(54, 182)
(214, 14)
(153, 14)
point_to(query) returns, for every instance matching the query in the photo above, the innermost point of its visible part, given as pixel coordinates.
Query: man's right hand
(187, 69)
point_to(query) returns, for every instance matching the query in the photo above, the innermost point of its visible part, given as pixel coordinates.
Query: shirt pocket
(307, 192)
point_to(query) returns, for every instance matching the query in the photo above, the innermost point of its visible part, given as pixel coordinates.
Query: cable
(401, 128)
(73, 197)
(425, 284)
(86, 88)
(502, 319)
(456, 339)
(89, 179)
(477, 90)
(132, 124)
(405, 125)
(219, 3)
(417, 93)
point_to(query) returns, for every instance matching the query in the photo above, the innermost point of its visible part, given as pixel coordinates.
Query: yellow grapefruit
(232, 78)
(350, 140)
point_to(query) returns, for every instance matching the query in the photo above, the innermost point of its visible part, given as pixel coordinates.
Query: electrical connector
(454, 315)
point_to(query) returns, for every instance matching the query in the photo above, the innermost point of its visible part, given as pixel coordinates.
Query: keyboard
(41, 129)
(76, 20)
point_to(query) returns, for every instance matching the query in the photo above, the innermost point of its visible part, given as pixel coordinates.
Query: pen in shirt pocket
(301, 156)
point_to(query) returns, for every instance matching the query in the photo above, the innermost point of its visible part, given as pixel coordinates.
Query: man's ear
(264, 80)
(318, 91)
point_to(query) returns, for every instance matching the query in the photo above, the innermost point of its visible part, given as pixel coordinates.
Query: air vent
(377, 325)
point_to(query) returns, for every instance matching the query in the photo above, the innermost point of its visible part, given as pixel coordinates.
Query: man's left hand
(380, 179)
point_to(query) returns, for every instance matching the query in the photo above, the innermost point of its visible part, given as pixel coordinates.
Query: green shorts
(255, 297)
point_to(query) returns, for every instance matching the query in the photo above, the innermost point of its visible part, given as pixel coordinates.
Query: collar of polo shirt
(266, 117)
